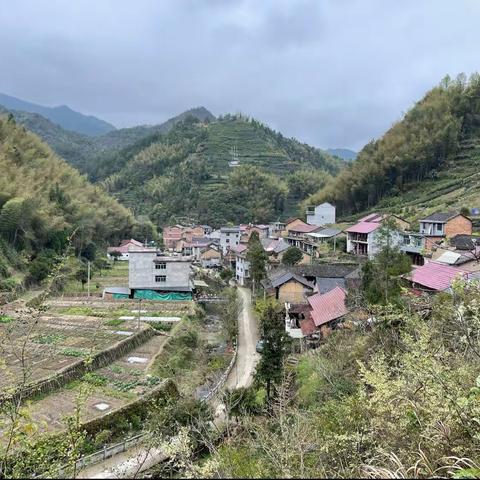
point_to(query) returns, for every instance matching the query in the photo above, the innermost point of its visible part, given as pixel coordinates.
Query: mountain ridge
(62, 115)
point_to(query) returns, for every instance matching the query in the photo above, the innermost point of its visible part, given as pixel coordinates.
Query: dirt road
(247, 356)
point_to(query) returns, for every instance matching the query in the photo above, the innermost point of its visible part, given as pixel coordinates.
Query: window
(439, 227)
(160, 278)
(227, 240)
(160, 266)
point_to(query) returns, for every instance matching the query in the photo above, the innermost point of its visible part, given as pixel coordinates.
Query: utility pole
(88, 278)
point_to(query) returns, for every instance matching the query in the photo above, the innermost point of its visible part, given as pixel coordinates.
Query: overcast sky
(333, 73)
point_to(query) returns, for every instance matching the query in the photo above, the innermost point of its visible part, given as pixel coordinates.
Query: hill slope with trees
(43, 201)
(233, 169)
(428, 160)
(96, 155)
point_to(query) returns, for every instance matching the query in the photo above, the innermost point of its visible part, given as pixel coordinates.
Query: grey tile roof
(326, 270)
(440, 217)
(284, 277)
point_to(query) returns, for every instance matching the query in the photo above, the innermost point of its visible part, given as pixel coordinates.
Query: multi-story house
(363, 238)
(449, 224)
(323, 214)
(229, 238)
(151, 271)
(242, 265)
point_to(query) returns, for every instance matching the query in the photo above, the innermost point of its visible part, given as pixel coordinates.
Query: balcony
(358, 237)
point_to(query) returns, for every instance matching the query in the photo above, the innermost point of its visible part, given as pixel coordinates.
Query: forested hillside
(230, 170)
(43, 200)
(95, 155)
(430, 159)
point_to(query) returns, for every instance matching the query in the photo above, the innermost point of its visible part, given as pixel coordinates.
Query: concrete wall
(242, 270)
(142, 271)
(229, 240)
(324, 214)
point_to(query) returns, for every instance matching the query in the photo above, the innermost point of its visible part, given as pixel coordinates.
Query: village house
(171, 236)
(297, 237)
(323, 214)
(326, 311)
(122, 251)
(362, 238)
(435, 277)
(327, 276)
(242, 265)
(154, 275)
(229, 238)
(449, 224)
(292, 223)
(247, 230)
(274, 248)
(210, 257)
(275, 229)
(287, 287)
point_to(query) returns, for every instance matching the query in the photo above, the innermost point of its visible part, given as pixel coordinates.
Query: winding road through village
(138, 459)
(247, 357)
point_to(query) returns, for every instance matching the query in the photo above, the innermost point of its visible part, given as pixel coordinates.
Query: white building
(242, 265)
(323, 214)
(229, 238)
(363, 238)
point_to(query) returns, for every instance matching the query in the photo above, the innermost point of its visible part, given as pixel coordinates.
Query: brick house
(445, 225)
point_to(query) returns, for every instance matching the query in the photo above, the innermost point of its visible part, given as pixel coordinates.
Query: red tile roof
(436, 276)
(240, 248)
(363, 227)
(125, 246)
(328, 306)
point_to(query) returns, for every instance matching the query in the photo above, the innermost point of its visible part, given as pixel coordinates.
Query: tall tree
(275, 343)
(257, 258)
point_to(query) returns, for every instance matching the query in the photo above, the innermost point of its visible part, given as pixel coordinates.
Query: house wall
(293, 292)
(242, 270)
(459, 225)
(297, 222)
(229, 240)
(142, 271)
(324, 214)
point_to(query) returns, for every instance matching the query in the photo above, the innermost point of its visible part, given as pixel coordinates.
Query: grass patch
(114, 322)
(162, 326)
(72, 352)
(6, 319)
(49, 339)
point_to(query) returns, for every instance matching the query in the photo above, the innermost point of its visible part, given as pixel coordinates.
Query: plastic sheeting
(162, 296)
(119, 296)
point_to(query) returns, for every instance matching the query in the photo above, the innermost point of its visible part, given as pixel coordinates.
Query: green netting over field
(162, 296)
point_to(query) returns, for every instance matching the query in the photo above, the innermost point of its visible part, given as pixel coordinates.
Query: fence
(103, 454)
(212, 393)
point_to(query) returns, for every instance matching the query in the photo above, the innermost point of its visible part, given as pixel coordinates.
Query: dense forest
(231, 170)
(43, 201)
(95, 155)
(426, 143)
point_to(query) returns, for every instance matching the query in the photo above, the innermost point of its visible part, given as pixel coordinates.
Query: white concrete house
(242, 265)
(323, 214)
(229, 238)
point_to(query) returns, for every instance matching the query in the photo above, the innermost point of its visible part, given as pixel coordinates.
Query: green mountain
(343, 153)
(62, 116)
(83, 151)
(232, 169)
(43, 200)
(430, 160)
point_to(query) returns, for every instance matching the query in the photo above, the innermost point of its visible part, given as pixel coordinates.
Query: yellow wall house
(288, 287)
